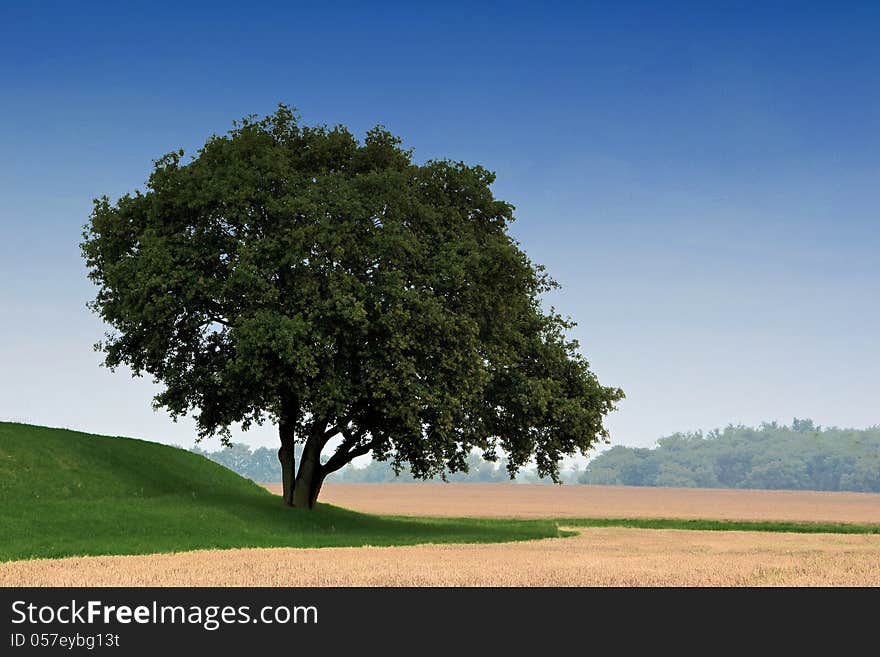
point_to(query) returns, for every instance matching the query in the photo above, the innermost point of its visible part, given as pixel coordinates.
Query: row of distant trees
(801, 456)
(261, 465)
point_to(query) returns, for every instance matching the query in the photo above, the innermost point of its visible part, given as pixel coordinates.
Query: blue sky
(703, 179)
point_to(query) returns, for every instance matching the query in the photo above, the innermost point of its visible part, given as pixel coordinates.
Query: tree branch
(347, 452)
(339, 427)
(216, 320)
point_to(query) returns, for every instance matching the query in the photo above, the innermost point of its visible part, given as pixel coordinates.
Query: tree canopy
(297, 275)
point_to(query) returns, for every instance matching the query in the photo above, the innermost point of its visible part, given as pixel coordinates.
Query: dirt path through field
(596, 557)
(572, 501)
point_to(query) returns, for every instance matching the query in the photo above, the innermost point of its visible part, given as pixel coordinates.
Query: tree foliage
(800, 457)
(296, 275)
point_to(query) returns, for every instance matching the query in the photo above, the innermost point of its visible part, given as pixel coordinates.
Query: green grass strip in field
(724, 525)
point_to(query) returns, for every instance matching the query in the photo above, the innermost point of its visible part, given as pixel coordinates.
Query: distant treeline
(261, 465)
(797, 457)
(479, 471)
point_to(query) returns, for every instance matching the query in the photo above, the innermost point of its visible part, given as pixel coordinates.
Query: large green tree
(297, 275)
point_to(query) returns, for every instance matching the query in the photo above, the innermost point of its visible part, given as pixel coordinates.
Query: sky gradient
(703, 180)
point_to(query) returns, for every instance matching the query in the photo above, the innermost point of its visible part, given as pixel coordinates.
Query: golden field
(596, 557)
(574, 501)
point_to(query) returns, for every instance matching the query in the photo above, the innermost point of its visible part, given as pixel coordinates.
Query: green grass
(723, 525)
(65, 493)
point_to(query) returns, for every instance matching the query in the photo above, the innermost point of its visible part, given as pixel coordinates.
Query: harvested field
(596, 557)
(571, 501)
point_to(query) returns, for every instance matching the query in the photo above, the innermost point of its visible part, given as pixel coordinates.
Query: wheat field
(611, 556)
(595, 557)
(574, 501)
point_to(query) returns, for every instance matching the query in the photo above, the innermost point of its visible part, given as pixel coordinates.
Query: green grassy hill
(65, 493)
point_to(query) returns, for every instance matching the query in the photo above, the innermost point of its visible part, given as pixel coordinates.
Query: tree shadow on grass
(327, 525)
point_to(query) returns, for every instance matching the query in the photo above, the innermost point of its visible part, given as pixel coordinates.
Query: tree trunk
(288, 464)
(287, 455)
(316, 489)
(309, 478)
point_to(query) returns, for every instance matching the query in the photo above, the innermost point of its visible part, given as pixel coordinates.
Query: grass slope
(65, 493)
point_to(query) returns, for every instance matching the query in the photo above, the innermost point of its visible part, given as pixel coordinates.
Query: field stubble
(595, 557)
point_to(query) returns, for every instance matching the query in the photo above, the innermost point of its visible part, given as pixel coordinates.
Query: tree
(293, 274)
